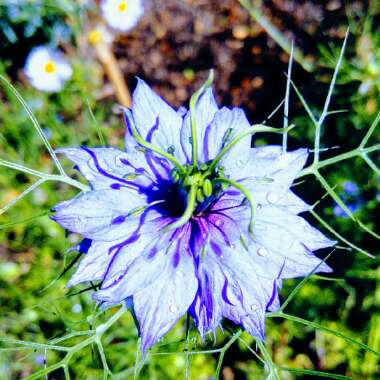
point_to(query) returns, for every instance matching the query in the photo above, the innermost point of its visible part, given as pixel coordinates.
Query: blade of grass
(287, 97)
(35, 123)
(96, 124)
(34, 186)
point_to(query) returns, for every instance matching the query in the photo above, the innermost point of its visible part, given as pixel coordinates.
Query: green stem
(44, 176)
(149, 146)
(249, 131)
(246, 193)
(193, 103)
(314, 373)
(341, 157)
(268, 360)
(286, 106)
(189, 209)
(35, 123)
(322, 328)
(223, 351)
(322, 118)
(273, 32)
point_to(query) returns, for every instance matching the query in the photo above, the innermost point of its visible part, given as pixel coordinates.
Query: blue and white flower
(190, 219)
(47, 69)
(122, 15)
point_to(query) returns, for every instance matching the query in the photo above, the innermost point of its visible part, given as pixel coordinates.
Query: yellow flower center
(94, 37)
(123, 5)
(50, 67)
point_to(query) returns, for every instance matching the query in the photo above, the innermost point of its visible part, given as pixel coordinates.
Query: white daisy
(47, 69)
(122, 14)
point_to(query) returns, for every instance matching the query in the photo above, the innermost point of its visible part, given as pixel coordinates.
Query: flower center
(122, 7)
(50, 67)
(204, 180)
(94, 36)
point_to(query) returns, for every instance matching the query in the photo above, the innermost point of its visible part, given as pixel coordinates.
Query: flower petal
(156, 121)
(226, 125)
(270, 163)
(93, 265)
(136, 266)
(159, 306)
(97, 214)
(107, 168)
(239, 294)
(285, 240)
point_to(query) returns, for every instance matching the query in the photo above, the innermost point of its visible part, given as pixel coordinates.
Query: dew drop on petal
(171, 149)
(262, 252)
(272, 197)
(254, 307)
(173, 308)
(239, 163)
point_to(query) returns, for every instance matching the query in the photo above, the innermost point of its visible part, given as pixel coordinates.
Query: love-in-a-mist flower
(47, 69)
(122, 14)
(189, 218)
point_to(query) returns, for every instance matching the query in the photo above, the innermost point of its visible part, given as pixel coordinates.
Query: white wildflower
(47, 69)
(122, 14)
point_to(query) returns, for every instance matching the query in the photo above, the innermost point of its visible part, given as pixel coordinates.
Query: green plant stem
(268, 360)
(193, 120)
(46, 177)
(322, 328)
(34, 122)
(265, 23)
(341, 157)
(257, 128)
(318, 129)
(223, 352)
(148, 145)
(94, 338)
(287, 97)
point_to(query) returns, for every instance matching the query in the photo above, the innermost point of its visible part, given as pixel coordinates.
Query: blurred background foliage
(173, 47)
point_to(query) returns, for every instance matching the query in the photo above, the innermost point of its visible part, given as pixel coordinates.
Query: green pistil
(201, 187)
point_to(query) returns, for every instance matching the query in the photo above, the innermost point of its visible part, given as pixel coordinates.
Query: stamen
(122, 7)
(50, 67)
